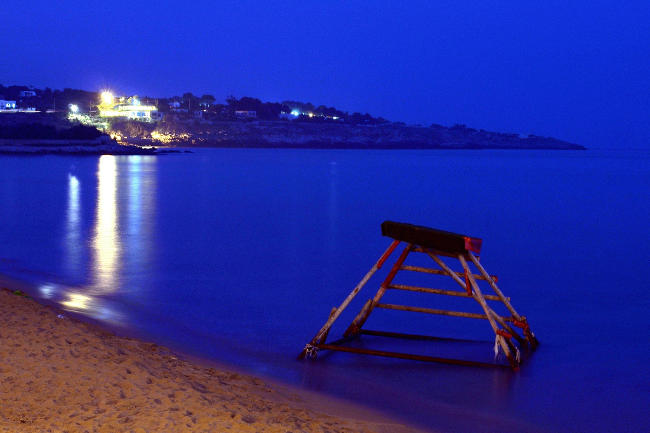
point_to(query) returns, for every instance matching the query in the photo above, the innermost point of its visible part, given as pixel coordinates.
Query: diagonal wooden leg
(463, 284)
(324, 337)
(361, 318)
(522, 342)
(478, 295)
(309, 347)
(521, 320)
(446, 268)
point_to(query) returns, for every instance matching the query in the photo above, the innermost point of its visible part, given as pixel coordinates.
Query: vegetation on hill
(191, 120)
(39, 131)
(48, 99)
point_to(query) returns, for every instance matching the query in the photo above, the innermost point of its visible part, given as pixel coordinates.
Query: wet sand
(58, 374)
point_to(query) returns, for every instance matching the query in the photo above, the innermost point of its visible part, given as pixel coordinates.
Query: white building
(243, 114)
(129, 108)
(7, 105)
(27, 93)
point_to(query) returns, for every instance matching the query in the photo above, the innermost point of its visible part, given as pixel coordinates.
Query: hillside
(174, 131)
(190, 120)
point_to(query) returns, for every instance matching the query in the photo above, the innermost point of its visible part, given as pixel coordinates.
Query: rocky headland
(327, 135)
(55, 134)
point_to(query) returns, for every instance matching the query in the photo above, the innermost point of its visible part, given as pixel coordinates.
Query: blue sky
(576, 70)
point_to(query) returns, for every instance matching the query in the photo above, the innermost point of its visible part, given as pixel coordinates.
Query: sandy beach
(58, 374)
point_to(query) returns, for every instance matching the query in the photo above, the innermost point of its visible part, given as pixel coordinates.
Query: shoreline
(102, 146)
(155, 149)
(59, 372)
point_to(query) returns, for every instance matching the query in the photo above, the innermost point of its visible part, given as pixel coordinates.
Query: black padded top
(440, 240)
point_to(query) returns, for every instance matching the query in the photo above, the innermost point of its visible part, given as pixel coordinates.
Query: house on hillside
(129, 108)
(246, 114)
(6, 105)
(27, 93)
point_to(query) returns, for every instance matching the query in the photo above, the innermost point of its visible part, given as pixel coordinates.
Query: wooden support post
(319, 335)
(488, 312)
(494, 286)
(356, 324)
(532, 340)
(324, 337)
(486, 276)
(503, 322)
(361, 318)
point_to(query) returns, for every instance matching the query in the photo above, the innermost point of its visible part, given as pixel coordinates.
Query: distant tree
(190, 102)
(162, 104)
(207, 100)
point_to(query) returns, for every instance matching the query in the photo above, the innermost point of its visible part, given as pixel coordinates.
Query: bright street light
(107, 97)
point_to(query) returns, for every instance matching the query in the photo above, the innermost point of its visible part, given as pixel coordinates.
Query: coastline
(100, 146)
(178, 130)
(61, 373)
(342, 145)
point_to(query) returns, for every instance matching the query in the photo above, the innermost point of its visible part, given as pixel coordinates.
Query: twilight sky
(576, 70)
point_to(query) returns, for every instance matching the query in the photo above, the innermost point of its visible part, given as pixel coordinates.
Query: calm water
(238, 255)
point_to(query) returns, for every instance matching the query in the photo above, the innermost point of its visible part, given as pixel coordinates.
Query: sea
(238, 256)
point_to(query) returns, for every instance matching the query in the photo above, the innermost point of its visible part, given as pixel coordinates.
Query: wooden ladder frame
(503, 327)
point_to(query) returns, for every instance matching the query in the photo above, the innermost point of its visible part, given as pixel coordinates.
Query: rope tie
(503, 333)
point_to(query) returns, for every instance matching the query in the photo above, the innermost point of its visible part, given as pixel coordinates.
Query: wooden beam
(332, 318)
(434, 311)
(357, 323)
(409, 356)
(439, 291)
(451, 273)
(494, 287)
(414, 336)
(323, 339)
(361, 318)
(441, 272)
(530, 337)
(478, 295)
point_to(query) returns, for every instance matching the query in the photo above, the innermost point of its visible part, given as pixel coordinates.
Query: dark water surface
(238, 255)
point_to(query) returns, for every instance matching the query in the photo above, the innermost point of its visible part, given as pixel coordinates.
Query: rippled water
(238, 255)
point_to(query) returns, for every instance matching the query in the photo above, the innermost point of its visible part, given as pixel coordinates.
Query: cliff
(36, 134)
(286, 134)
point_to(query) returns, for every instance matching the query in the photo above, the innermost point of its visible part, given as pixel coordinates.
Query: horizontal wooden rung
(439, 291)
(414, 336)
(442, 272)
(435, 311)
(409, 356)
(433, 251)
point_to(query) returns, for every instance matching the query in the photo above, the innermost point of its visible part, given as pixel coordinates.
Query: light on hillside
(107, 97)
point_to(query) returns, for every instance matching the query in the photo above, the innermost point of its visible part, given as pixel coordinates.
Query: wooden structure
(512, 333)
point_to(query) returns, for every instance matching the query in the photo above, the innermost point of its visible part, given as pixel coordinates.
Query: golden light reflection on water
(127, 188)
(106, 243)
(73, 226)
(77, 302)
